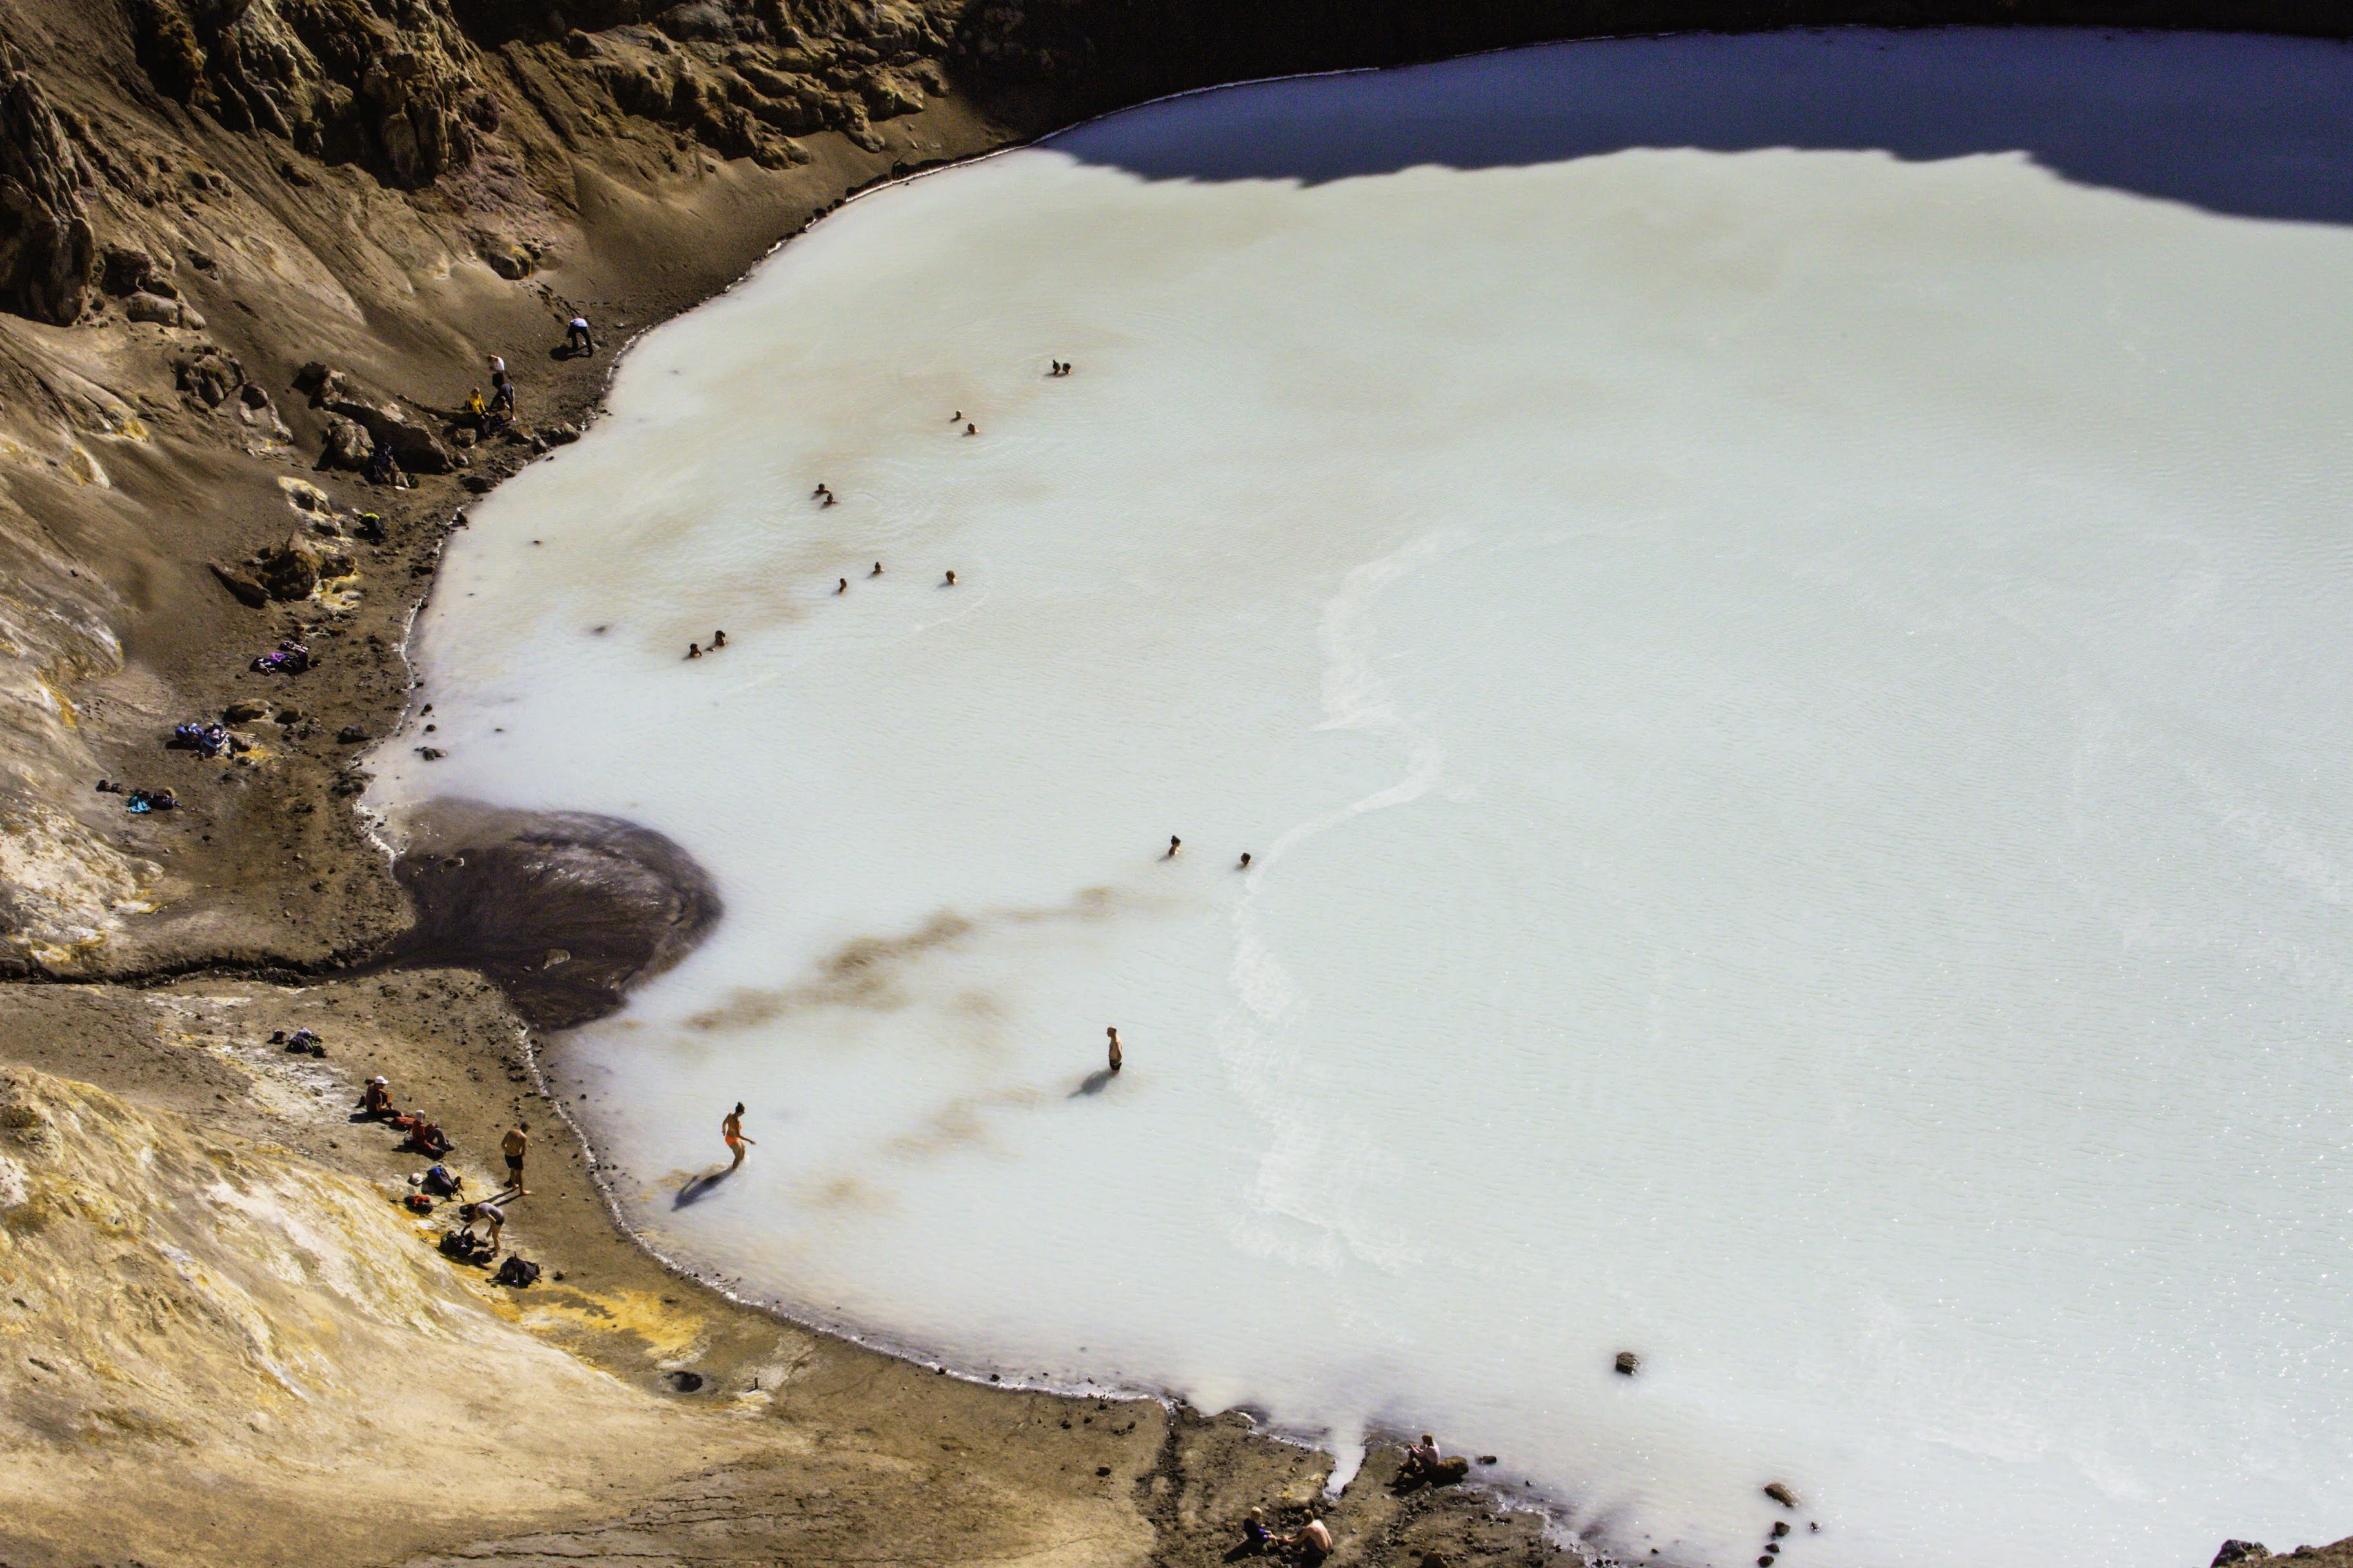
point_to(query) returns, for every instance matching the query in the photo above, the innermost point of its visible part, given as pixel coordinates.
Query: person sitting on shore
(1311, 1541)
(429, 1139)
(476, 409)
(1423, 1462)
(375, 1100)
(1256, 1537)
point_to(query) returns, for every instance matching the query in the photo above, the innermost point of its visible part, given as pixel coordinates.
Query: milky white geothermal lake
(1777, 615)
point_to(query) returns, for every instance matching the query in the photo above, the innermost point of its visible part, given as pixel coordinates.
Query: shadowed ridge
(565, 912)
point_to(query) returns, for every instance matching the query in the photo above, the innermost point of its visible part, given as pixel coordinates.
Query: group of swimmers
(718, 641)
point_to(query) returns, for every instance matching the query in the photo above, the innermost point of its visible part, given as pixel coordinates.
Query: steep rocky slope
(183, 1304)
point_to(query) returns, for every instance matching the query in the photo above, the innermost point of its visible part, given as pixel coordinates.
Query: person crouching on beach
(732, 1131)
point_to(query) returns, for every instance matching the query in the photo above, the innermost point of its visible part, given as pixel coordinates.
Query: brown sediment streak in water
(565, 912)
(865, 973)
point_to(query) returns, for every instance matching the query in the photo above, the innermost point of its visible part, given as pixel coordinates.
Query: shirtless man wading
(732, 1131)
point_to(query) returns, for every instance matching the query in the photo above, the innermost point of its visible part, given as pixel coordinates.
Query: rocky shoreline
(249, 246)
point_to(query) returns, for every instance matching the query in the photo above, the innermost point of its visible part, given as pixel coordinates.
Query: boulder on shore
(346, 447)
(242, 585)
(291, 571)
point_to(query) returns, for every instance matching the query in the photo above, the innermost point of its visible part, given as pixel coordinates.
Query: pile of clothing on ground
(291, 659)
(204, 740)
(301, 1043)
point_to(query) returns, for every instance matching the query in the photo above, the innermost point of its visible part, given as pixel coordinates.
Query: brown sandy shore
(236, 236)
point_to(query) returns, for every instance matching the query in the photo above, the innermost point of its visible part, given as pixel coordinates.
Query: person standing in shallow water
(1113, 1033)
(732, 1131)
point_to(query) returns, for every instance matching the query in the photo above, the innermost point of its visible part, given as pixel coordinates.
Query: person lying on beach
(731, 1129)
(1113, 1033)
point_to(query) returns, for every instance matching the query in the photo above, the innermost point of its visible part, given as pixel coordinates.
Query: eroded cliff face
(201, 198)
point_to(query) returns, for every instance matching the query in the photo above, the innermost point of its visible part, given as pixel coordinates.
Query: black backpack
(518, 1271)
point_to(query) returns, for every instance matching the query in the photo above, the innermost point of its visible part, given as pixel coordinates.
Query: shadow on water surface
(699, 1187)
(2243, 125)
(1093, 1083)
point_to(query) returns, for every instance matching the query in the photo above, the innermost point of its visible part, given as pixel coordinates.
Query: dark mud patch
(563, 912)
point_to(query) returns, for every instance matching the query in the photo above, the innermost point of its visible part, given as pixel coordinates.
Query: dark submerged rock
(497, 890)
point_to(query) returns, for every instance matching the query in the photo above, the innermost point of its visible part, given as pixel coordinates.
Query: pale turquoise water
(1789, 705)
